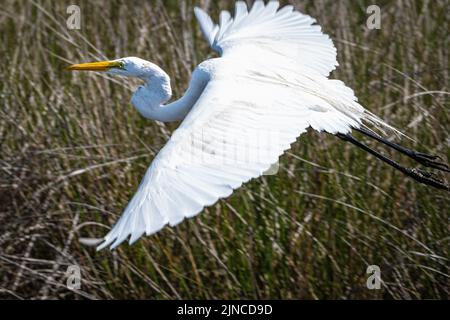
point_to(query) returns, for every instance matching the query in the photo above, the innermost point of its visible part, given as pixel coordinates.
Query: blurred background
(73, 150)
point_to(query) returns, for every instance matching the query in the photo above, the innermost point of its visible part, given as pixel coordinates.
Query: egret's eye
(121, 65)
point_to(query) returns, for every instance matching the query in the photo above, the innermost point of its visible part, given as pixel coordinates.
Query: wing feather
(285, 34)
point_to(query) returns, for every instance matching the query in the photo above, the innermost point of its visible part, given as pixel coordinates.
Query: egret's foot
(424, 159)
(430, 161)
(426, 178)
(421, 176)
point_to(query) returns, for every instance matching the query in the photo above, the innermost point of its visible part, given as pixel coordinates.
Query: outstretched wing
(260, 98)
(269, 33)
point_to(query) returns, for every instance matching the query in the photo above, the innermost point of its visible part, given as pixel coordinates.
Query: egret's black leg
(417, 174)
(422, 158)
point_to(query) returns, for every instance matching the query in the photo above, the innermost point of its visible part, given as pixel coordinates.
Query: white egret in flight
(271, 77)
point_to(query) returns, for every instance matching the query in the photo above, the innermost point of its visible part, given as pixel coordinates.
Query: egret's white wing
(260, 98)
(268, 33)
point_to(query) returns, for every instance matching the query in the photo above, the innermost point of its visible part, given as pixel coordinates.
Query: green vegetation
(73, 150)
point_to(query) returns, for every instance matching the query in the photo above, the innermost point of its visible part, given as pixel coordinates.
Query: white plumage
(241, 112)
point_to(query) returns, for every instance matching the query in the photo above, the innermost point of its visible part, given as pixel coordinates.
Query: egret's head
(127, 67)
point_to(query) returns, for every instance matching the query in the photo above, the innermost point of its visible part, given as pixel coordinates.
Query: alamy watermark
(374, 280)
(253, 148)
(73, 274)
(73, 22)
(374, 19)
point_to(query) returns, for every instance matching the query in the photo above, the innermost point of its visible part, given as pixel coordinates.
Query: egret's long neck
(150, 98)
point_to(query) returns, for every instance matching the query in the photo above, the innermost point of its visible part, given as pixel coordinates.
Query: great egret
(271, 81)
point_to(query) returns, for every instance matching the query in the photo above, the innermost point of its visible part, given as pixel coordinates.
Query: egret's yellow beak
(96, 66)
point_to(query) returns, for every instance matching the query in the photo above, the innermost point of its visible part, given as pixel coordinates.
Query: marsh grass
(73, 150)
